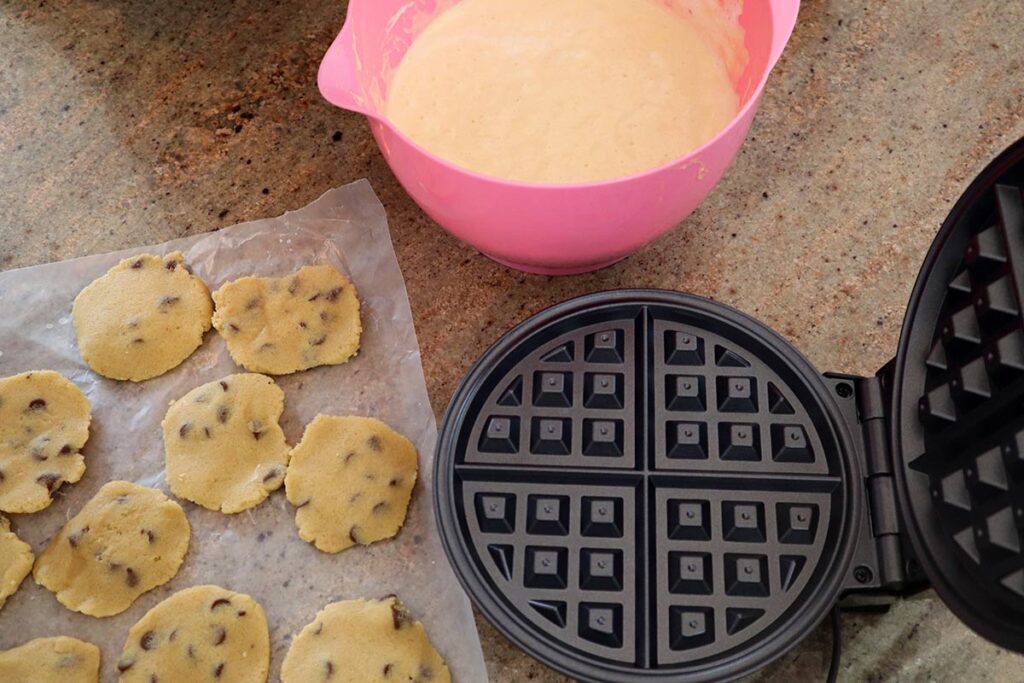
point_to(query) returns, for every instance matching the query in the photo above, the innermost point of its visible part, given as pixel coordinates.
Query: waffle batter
(561, 91)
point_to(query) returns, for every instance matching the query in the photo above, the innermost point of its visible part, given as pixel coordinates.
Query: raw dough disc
(15, 560)
(203, 633)
(125, 541)
(223, 446)
(44, 422)
(283, 325)
(359, 641)
(142, 318)
(51, 660)
(351, 479)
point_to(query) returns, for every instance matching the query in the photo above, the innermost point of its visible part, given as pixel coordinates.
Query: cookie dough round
(142, 318)
(44, 422)
(125, 541)
(15, 561)
(283, 325)
(51, 660)
(357, 641)
(223, 446)
(203, 633)
(351, 479)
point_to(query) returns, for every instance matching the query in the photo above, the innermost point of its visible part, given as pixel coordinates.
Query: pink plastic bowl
(540, 228)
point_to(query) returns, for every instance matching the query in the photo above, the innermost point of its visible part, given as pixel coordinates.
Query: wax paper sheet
(257, 551)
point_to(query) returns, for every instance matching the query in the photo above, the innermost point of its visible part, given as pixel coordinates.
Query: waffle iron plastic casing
(646, 485)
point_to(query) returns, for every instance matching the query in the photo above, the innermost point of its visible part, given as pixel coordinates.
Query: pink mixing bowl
(540, 228)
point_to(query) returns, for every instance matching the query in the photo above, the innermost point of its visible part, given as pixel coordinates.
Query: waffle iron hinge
(883, 558)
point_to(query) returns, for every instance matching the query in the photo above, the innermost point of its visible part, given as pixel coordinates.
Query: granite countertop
(131, 122)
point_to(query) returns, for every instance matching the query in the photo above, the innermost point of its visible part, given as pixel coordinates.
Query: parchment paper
(258, 551)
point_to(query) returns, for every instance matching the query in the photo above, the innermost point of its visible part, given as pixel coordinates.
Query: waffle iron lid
(957, 415)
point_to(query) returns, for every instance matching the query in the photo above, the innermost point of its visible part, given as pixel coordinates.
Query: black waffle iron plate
(646, 485)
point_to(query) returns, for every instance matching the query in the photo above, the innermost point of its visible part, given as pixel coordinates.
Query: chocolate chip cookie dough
(283, 325)
(125, 541)
(357, 641)
(44, 422)
(222, 444)
(15, 561)
(51, 660)
(142, 318)
(203, 633)
(351, 479)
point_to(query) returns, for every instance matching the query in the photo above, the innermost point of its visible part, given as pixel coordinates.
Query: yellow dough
(283, 325)
(15, 561)
(125, 541)
(142, 318)
(200, 634)
(364, 641)
(51, 660)
(223, 446)
(351, 479)
(44, 422)
(563, 91)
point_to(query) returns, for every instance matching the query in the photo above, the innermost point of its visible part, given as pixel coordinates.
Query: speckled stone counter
(129, 122)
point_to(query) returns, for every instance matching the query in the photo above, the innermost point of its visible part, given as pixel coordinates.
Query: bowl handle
(337, 77)
(783, 21)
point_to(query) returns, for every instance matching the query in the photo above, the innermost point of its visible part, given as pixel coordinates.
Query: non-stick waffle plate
(646, 485)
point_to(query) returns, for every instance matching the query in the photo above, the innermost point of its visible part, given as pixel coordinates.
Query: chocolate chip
(271, 475)
(138, 340)
(318, 341)
(219, 635)
(349, 456)
(324, 316)
(352, 534)
(426, 671)
(302, 324)
(374, 443)
(50, 480)
(328, 669)
(253, 303)
(387, 669)
(36, 404)
(125, 664)
(184, 429)
(66, 449)
(149, 534)
(74, 537)
(218, 670)
(191, 652)
(121, 500)
(206, 430)
(293, 285)
(222, 414)
(171, 265)
(146, 641)
(153, 678)
(394, 482)
(256, 427)
(169, 300)
(136, 264)
(218, 603)
(314, 297)
(333, 294)
(319, 629)
(2, 475)
(38, 454)
(131, 578)
(379, 507)
(233, 327)
(224, 385)
(242, 612)
(398, 615)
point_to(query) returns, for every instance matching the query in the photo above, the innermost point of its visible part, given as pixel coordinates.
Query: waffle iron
(644, 485)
